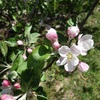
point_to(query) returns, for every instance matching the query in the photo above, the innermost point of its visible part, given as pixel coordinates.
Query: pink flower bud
(29, 50)
(20, 42)
(83, 67)
(73, 31)
(17, 86)
(6, 97)
(6, 83)
(52, 35)
(24, 56)
(55, 45)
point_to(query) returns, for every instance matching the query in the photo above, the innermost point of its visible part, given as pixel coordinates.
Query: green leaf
(43, 78)
(38, 57)
(3, 48)
(70, 22)
(29, 78)
(33, 37)
(36, 61)
(13, 75)
(22, 67)
(17, 62)
(11, 42)
(27, 30)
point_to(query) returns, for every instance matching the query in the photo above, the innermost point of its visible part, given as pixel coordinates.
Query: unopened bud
(55, 45)
(6, 83)
(73, 31)
(20, 42)
(52, 35)
(24, 56)
(29, 50)
(17, 86)
(83, 67)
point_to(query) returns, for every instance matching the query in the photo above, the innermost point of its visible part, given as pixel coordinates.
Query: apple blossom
(52, 35)
(6, 97)
(83, 67)
(85, 42)
(73, 31)
(17, 86)
(6, 83)
(20, 42)
(68, 57)
(56, 45)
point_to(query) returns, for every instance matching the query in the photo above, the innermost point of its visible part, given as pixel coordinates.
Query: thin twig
(50, 64)
(89, 13)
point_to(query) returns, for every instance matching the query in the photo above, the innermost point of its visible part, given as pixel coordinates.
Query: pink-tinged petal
(63, 51)
(61, 61)
(17, 86)
(69, 67)
(6, 83)
(73, 31)
(83, 67)
(52, 35)
(76, 50)
(6, 97)
(74, 61)
(56, 45)
(85, 37)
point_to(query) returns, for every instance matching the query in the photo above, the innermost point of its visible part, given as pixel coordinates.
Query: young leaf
(33, 37)
(17, 62)
(3, 48)
(27, 30)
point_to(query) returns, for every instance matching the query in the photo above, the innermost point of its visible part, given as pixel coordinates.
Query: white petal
(90, 43)
(83, 53)
(63, 51)
(85, 46)
(85, 37)
(80, 36)
(69, 67)
(74, 61)
(61, 61)
(76, 50)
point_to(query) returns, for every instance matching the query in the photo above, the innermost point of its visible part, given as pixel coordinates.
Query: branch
(89, 13)
(48, 66)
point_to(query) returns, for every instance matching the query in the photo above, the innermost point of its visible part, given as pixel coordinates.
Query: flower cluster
(7, 90)
(69, 55)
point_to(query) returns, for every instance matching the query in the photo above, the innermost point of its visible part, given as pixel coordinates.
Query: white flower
(68, 57)
(85, 42)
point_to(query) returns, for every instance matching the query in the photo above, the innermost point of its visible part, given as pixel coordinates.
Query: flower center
(69, 56)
